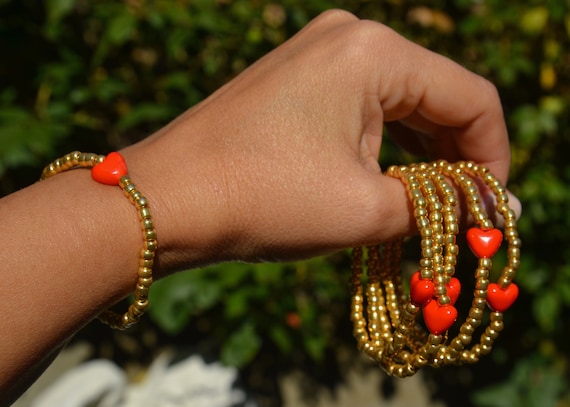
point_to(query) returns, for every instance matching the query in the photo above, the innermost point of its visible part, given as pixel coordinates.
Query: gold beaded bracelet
(112, 170)
(385, 315)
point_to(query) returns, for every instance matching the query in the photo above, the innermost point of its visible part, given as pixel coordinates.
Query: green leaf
(175, 299)
(564, 290)
(230, 275)
(121, 28)
(58, 9)
(315, 345)
(268, 273)
(109, 89)
(171, 303)
(534, 382)
(501, 395)
(281, 338)
(24, 138)
(241, 347)
(236, 304)
(146, 113)
(546, 308)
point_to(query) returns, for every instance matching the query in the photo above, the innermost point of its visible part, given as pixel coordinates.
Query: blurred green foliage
(252, 303)
(98, 75)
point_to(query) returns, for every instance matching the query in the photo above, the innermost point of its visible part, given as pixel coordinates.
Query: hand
(282, 162)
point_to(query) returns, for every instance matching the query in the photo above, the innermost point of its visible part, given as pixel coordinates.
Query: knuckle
(335, 16)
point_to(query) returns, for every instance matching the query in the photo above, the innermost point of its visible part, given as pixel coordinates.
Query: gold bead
(443, 299)
(450, 259)
(467, 329)
(144, 213)
(439, 279)
(426, 263)
(426, 243)
(514, 252)
(145, 272)
(146, 254)
(141, 304)
(423, 223)
(150, 245)
(482, 273)
(492, 333)
(149, 235)
(145, 281)
(476, 314)
(127, 185)
(419, 200)
(465, 339)
(141, 202)
(485, 263)
(142, 290)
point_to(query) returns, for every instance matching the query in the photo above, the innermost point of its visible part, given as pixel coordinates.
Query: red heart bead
(439, 318)
(421, 290)
(110, 171)
(453, 289)
(415, 277)
(484, 243)
(500, 299)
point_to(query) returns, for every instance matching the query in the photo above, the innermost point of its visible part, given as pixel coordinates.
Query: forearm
(71, 246)
(65, 256)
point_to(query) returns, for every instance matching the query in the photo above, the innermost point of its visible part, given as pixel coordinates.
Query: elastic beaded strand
(404, 346)
(146, 256)
(435, 209)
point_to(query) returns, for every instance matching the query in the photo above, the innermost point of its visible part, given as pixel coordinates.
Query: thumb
(394, 209)
(394, 216)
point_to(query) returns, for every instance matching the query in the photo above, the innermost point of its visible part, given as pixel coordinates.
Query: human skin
(281, 163)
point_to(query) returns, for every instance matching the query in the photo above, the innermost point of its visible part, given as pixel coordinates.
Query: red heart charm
(453, 289)
(421, 290)
(439, 318)
(110, 171)
(484, 243)
(415, 278)
(501, 299)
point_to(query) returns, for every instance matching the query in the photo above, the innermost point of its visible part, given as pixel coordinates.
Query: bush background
(99, 75)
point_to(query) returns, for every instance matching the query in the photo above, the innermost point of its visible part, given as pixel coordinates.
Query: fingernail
(514, 204)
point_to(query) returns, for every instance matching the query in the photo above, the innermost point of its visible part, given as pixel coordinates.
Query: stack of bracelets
(385, 315)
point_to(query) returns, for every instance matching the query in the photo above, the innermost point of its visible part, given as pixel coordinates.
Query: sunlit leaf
(547, 76)
(534, 19)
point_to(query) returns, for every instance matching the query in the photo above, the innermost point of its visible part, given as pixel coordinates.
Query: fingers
(456, 113)
(446, 111)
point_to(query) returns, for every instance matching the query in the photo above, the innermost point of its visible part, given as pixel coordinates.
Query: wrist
(188, 199)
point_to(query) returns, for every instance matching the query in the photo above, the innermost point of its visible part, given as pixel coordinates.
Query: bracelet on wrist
(112, 170)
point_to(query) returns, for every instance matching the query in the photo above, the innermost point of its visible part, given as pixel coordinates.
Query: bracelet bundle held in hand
(385, 316)
(112, 170)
